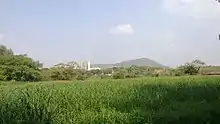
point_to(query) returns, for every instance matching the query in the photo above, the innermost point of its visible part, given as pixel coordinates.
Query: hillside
(137, 62)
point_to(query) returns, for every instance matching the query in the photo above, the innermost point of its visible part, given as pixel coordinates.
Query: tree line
(18, 67)
(23, 68)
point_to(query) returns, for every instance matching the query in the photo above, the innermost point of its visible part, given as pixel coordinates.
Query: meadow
(151, 100)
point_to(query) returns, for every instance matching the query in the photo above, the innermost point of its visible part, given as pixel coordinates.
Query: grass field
(211, 69)
(162, 100)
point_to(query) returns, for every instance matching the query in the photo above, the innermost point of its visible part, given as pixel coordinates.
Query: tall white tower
(88, 65)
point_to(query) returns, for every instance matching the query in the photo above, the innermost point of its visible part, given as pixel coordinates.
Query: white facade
(87, 66)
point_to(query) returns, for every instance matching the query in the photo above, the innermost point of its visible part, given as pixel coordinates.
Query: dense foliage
(18, 67)
(23, 68)
(162, 100)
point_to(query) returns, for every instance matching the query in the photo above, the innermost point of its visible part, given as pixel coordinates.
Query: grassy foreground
(163, 100)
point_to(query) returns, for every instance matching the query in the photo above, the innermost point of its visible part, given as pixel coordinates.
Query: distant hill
(138, 62)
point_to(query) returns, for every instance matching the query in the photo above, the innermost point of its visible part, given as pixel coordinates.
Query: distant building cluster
(87, 66)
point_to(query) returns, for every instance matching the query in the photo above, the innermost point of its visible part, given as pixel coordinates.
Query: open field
(162, 100)
(214, 70)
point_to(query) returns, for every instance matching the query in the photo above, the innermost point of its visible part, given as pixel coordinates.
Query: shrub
(119, 75)
(81, 77)
(155, 75)
(131, 76)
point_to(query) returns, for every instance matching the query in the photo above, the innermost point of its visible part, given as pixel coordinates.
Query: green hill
(137, 62)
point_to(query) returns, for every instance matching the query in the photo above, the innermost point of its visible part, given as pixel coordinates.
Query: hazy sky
(170, 32)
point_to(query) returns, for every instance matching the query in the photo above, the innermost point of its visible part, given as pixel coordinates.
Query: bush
(130, 76)
(81, 77)
(2, 77)
(177, 74)
(119, 75)
(155, 75)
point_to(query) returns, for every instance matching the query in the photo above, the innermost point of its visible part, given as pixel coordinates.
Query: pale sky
(170, 32)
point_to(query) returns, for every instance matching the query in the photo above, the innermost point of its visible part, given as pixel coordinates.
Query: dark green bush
(119, 75)
(81, 77)
(131, 76)
(155, 75)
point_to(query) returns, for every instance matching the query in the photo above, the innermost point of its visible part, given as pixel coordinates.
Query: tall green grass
(165, 100)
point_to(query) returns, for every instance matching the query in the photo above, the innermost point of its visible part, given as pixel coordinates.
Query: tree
(198, 64)
(73, 64)
(4, 51)
(119, 75)
(95, 72)
(81, 77)
(18, 67)
(63, 72)
(188, 68)
(107, 71)
(56, 73)
(46, 74)
(191, 68)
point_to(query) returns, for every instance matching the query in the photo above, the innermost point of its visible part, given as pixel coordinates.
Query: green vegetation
(18, 67)
(23, 68)
(139, 91)
(162, 100)
(128, 94)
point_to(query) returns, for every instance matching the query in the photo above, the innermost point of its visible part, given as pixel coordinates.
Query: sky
(170, 32)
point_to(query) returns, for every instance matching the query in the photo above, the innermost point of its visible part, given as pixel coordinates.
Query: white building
(89, 67)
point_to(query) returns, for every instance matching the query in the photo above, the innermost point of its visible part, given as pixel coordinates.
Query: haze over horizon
(169, 32)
